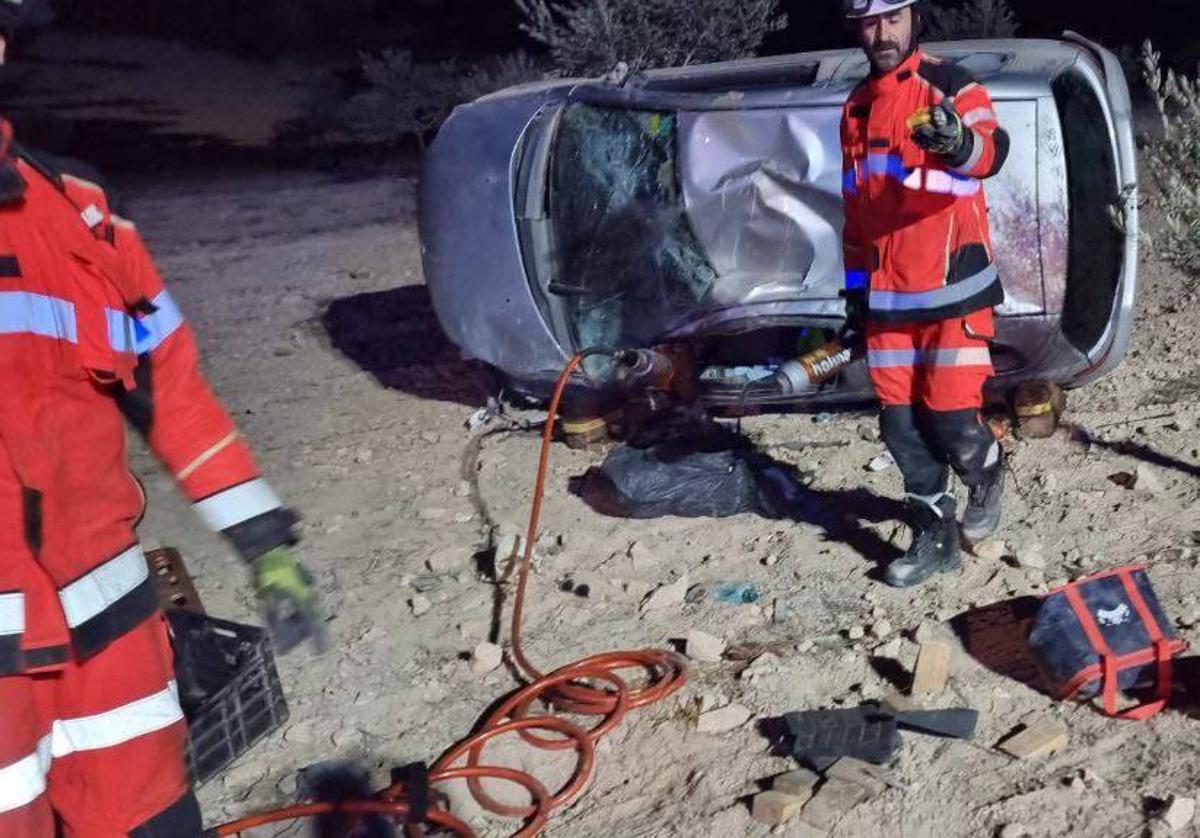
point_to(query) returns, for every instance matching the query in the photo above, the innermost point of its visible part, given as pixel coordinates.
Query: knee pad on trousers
(967, 443)
(924, 470)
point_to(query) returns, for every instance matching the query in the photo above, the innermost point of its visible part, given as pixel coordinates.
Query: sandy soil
(307, 295)
(166, 88)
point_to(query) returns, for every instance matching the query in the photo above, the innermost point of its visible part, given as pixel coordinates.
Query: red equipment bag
(1105, 633)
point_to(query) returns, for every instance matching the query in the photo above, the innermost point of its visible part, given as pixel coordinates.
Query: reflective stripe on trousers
(972, 356)
(935, 298)
(24, 781)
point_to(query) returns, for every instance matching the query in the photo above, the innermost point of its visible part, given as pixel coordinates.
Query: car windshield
(627, 265)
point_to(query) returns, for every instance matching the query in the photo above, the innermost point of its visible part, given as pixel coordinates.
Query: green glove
(289, 601)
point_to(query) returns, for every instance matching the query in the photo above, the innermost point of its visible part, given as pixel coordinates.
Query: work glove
(856, 311)
(938, 129)
(288, 600)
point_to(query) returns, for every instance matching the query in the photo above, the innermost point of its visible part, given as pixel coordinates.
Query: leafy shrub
(407, 98)
(1173, 162)
(972, 19)
(590, 37)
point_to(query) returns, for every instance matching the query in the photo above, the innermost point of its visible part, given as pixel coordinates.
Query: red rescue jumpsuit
(91, 730)
(916, 240)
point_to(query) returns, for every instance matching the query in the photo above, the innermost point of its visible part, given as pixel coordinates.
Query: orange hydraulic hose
(561, 688)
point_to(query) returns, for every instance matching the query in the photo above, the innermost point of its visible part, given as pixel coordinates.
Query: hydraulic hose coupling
(643, 369)
(804, 374)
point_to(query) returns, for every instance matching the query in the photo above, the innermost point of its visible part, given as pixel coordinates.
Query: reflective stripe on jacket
(916, 232)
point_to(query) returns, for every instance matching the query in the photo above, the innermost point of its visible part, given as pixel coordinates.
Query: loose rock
(1178, 813)
(881, 463)
(1030, 556)
(665, 596)
(992, 551)
(704, 647)
(856, 633)
(420, 604)
(486, 658)
(724, 719)
(881, 629)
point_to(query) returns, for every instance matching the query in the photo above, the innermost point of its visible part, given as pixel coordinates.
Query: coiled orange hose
(562, 689)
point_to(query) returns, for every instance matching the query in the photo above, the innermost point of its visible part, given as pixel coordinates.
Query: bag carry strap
(1108, 661)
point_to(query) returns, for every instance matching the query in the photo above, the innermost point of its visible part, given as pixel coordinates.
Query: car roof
(1012, 68)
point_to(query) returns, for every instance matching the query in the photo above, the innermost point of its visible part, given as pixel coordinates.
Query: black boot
(934, 546)
(982, 515)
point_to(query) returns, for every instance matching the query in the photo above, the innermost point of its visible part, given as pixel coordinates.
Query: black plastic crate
(228, 687)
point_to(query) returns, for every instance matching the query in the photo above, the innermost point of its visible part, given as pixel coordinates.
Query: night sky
(470, 28)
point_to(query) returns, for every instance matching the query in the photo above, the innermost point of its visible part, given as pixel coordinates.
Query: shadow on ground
(395, 336)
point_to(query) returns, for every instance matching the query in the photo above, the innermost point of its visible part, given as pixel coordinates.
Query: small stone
(927, 632)
(665, 596)
(641, 557)
(1037, 739)
(871, 777)
(881, 629)
(1030, 556)
(443, 561)
(463, 489)
(1178, 812)
(1077, 785)
(508, 546)
(426, 582)
(805, 646)
(420, 604)
(364, 456)
(771, 559)
(869, 432)
(833, 799)
(890, 650)
(463, 517)
(432, 514)
(486, 658)
(856, 633)
(882, 463)
(724, 719)
(992, 551)
(430, 438)
(932, 670)
(764, 664)
(1014, 830)
(1147, 479)
(704, 647)
(775, 807)
(799, 783)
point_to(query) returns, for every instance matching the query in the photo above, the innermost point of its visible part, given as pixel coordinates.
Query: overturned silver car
(702, 207)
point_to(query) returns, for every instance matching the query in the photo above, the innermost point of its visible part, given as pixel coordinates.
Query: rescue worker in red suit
(91, 731)
(919, 136)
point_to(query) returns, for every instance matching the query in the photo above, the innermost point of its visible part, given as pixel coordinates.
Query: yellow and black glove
(290, 603)
(938, 129)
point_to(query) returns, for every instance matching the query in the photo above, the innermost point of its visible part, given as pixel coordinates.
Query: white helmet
(868, 8)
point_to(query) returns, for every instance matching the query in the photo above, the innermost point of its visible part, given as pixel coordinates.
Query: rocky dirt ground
(306, 292)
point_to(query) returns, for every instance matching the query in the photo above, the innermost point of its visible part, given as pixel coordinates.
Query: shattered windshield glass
(628, 266)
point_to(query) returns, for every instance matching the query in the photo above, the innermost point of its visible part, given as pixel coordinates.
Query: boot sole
(944, 567)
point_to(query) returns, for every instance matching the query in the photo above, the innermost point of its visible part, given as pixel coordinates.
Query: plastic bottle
(736, 593)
